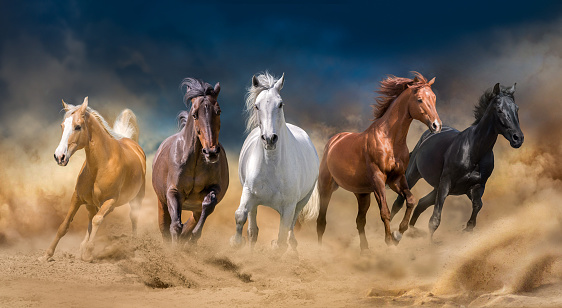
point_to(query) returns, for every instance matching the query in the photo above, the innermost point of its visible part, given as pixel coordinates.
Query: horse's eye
(256, 106)
(281, 105)
(78, 127)
(194, 115)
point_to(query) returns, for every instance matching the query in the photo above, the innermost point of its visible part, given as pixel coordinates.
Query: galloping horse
(460, 163)
(190, 170)
(278, 165)
(365, 162)
(112, 175)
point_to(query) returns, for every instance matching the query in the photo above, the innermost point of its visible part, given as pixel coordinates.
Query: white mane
(101, 120)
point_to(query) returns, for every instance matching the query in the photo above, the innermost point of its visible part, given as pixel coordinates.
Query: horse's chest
(467, 177)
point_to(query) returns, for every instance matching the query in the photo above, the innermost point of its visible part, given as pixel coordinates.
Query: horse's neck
(395, 122)
(484, 137)
(101, 146)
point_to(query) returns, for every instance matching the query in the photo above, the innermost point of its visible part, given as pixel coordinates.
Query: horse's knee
(176, 228)
(411, 201)
(241, 215)
(96, 221)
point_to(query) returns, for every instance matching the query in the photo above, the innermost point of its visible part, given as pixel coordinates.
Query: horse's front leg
(475, 194)
(105, 209)
(285, 225)
(380, 195)
(247, 204)
(208, 206)
(401, 188)
(75, 204)
(442, 193)
(174, 209)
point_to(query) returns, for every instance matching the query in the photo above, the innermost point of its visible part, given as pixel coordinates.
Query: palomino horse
(112, 175)
(364, 162)
(278, 165)
(190, 170)
(460, 163)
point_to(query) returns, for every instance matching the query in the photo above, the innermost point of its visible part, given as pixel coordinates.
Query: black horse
(460, 163)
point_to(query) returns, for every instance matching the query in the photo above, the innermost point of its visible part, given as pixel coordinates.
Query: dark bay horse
(190, 170)
(365, 162)
(460, 163)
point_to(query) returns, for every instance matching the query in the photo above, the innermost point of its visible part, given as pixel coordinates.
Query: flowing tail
(312, 207)
(126, 125)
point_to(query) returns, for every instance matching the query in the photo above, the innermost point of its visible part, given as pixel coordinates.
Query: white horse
(278, 166)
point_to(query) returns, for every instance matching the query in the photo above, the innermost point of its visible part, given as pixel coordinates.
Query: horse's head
(421, 105)
(206, 111)
(269, 108)
(74, 133)
(506, 113)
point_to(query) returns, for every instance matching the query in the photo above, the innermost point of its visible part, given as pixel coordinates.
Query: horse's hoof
(45, 258)
(237, 242)
(397, 236)
(365, 252)
(468, 229)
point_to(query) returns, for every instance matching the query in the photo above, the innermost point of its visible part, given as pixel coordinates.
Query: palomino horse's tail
(126, 125)
(312, 207)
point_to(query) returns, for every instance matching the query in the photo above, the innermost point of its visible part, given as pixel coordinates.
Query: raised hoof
(397, 236)
(237, 243)
(45, 258)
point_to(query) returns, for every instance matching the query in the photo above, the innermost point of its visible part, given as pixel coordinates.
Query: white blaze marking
(63, 145)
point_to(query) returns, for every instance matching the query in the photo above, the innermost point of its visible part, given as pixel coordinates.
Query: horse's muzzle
(211, 155)
(435, 126)
(516, 140)
(61, 161)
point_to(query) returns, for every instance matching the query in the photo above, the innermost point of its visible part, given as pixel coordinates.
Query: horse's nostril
(515, 137)
(55, 155)
(434, 125)
(263, 137)
(62, 157)
(274, 138)
(205, 151)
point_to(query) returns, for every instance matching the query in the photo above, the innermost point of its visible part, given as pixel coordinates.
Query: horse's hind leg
(423, 204)
(91, 212)
(326, 186)
(135, 205)
(189, 225)
(363, 203)
(475, 194)
(164, 221)
(75, 204)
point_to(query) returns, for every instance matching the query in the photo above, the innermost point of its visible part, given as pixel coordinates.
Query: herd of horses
(279, 166)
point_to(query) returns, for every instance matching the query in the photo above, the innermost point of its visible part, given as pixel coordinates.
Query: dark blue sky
(332, 54)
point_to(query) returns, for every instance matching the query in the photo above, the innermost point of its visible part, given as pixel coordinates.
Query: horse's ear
(64, 105)
(431, 81)
(255, 81)
(84, 106)
(416, 79)
(496, 90)
(279, 84)
(217, 89)
(512, 89)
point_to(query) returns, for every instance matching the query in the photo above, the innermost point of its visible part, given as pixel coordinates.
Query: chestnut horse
(112, 175)
(190, 170)
(365, 162)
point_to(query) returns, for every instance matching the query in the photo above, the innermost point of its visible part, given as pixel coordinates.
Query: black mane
(485, 101)
(195, 88)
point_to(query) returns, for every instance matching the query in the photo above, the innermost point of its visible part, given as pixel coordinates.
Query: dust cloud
(512, 257)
